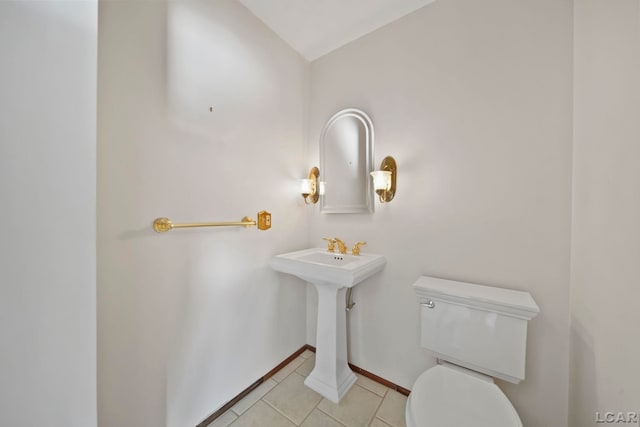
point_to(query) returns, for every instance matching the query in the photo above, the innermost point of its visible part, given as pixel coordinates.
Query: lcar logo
(618, 418)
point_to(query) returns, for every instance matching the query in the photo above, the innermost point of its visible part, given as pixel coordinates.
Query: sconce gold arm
(161, 225)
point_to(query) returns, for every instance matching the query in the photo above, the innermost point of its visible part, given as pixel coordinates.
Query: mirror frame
(368, 206)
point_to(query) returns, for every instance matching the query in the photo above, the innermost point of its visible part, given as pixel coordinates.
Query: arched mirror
(346, 158)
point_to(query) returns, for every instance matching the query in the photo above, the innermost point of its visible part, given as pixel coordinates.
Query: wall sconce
(309, 187)
(384, 180)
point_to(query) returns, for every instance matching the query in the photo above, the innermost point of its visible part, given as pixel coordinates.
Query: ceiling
(316, 27)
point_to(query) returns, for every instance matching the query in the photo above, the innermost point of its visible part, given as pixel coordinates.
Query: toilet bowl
(478, 333)
(443, 396)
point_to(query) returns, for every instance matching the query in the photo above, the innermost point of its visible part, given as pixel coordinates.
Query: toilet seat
(446, 397)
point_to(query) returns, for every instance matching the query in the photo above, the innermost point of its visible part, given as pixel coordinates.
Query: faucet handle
(331, 246)
(356, 248)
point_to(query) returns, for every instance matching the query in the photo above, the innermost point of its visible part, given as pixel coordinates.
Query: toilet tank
(479, 327)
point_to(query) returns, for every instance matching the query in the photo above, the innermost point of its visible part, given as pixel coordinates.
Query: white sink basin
(331, 273)
(319, 266)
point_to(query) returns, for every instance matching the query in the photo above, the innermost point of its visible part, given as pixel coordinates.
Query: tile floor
(283, 400)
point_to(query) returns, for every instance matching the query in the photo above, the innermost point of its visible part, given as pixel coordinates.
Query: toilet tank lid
(504, 301)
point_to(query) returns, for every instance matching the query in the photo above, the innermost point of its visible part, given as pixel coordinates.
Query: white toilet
(478, 333)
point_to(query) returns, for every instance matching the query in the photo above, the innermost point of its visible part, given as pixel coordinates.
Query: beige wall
(606, 208)
(48, 54)
(188, 319)
(474, 101)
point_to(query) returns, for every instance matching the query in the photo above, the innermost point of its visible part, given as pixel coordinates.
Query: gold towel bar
(160, 225)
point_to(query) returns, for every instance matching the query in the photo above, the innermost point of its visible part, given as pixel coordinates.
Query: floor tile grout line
(382, 421)
(311, 412)
(232, 422)
(276, 409)
(281, 413)
(340, 422)
(251, 406)
(375, 412)
(294, 370)
(330, 416)
(386, 389)
(236, 419)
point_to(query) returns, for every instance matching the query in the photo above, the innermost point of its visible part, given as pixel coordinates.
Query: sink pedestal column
(331, 377)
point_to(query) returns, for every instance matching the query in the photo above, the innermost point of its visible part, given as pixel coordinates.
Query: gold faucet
(331, 246)
(341, 246)
(356, 248)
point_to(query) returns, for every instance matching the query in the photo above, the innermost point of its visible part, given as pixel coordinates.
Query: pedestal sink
(331, 273)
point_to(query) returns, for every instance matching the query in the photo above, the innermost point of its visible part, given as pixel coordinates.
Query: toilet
(478, 333)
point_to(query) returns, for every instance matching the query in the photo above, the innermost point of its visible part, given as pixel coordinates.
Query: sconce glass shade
(381, 180)
(321, 187)
(384, 180)
(306, 186)
(309, 186)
